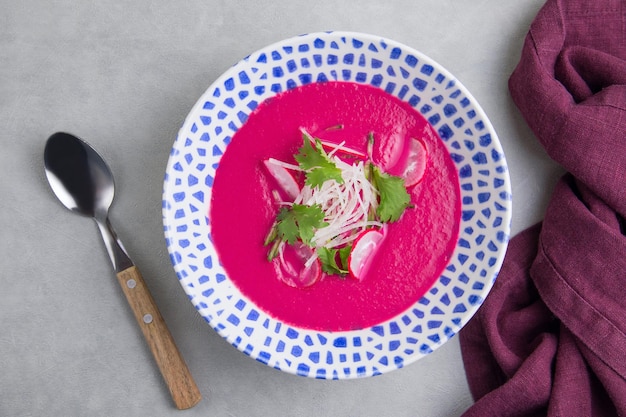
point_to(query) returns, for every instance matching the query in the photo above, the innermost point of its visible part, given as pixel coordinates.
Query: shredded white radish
(345, 149)
(310, 261)
(280, 163)
(334, 146)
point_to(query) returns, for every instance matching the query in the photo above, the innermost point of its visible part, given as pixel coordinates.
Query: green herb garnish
(394, 198)
(386, 199)
(298, 222)
(328, 258)
(316, 163)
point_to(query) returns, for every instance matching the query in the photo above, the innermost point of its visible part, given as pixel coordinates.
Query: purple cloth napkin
(550, 339)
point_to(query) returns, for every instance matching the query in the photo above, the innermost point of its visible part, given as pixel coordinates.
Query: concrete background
(123, 75)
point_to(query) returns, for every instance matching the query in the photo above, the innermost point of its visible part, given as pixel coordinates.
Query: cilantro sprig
(298, 222)
(316, 163)
(334, 261)
(394, 198)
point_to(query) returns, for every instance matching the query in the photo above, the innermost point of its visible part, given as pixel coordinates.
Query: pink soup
(416, 249)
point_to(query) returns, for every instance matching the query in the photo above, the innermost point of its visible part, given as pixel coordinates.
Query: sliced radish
(283, 178)
(291, 265)
(415, 162)
(390, 151)
(363, 251)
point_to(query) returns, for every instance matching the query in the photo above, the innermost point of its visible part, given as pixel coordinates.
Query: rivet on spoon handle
(177, 376)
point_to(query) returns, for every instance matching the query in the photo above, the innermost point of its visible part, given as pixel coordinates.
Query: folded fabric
(550, 338)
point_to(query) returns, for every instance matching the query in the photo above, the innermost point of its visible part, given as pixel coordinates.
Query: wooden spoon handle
(182, 387)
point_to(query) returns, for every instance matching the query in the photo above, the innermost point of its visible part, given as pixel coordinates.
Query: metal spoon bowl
(83, 182)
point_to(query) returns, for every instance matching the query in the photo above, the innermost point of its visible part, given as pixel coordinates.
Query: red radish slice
(284, 179)
(416, 162)
(391, 152)
(291, 267)
(363, 251)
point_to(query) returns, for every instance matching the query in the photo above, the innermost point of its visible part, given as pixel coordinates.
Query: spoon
(83, 182)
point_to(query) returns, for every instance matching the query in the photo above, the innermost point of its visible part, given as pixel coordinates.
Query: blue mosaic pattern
(461, 124)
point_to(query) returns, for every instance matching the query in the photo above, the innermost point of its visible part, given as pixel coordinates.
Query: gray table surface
(123, 75)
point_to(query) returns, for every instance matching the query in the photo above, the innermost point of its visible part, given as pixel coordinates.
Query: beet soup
(416, 248)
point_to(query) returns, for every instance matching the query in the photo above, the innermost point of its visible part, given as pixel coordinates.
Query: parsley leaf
(316, 163)
(286, 226)
(328, 258)
(299, 221)
(344, 253)
(393, 195)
